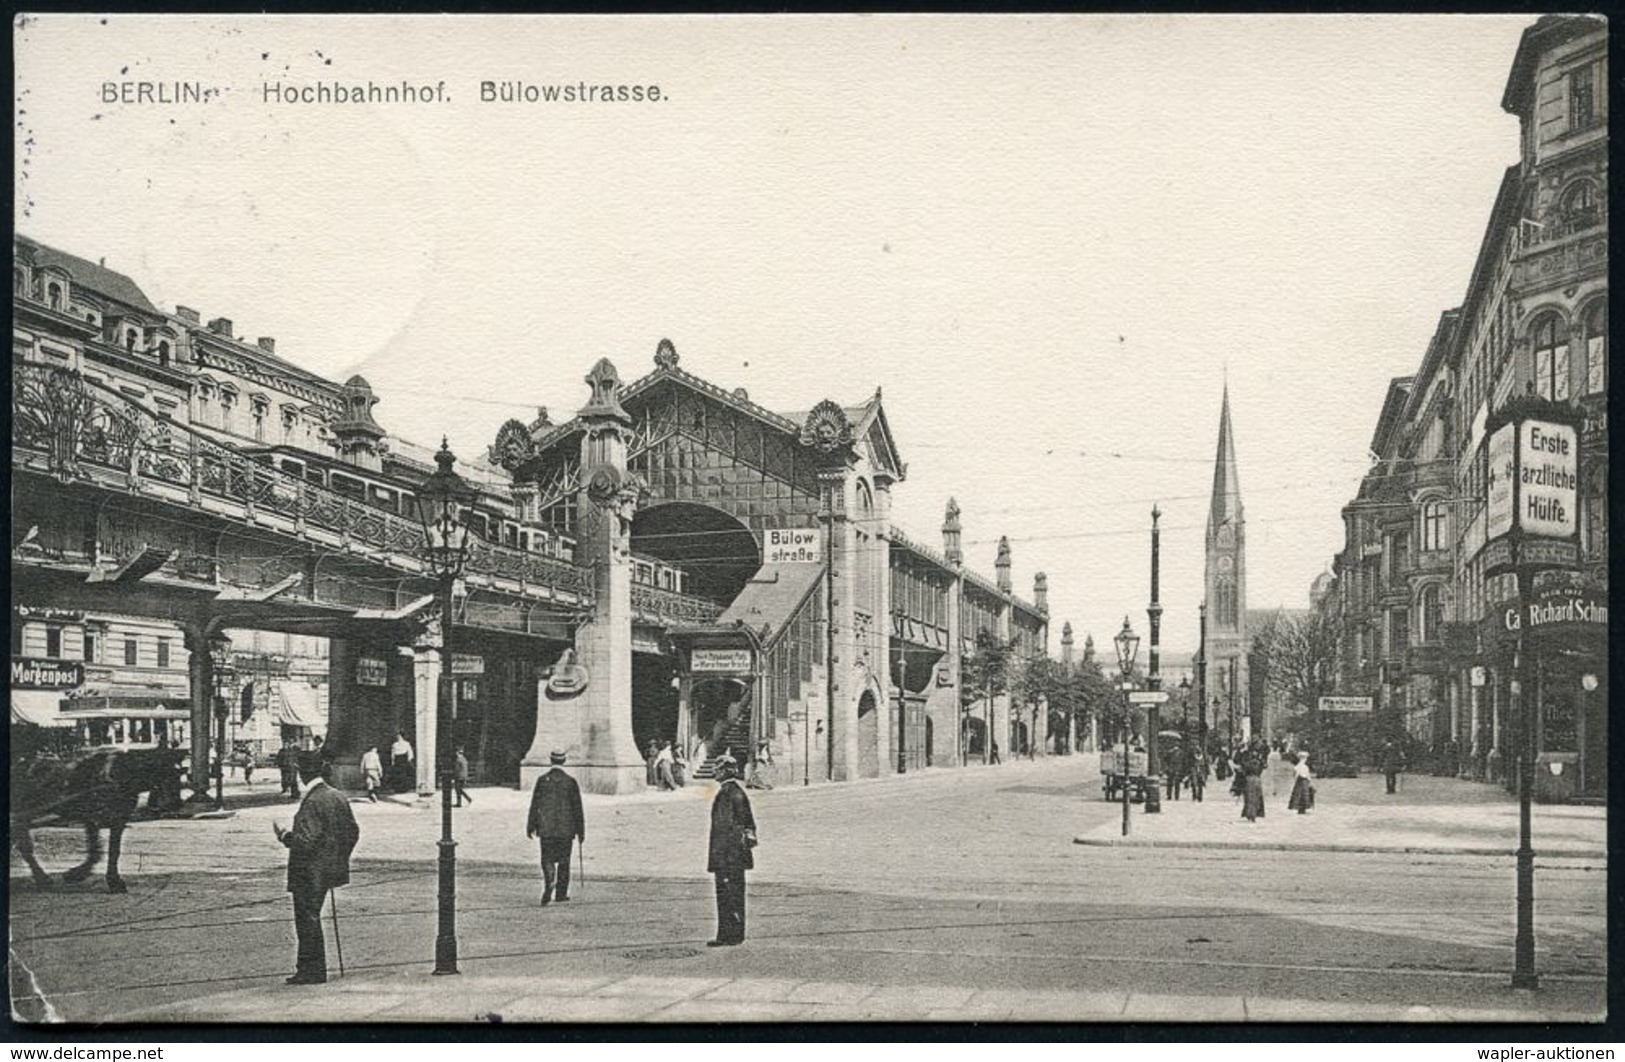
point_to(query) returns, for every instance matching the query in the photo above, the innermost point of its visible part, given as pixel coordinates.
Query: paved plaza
(940, 895)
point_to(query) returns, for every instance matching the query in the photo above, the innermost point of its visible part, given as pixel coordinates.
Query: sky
(1051, 240)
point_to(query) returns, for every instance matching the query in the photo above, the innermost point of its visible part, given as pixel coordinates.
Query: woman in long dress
(1252, 766)
(1303, 787)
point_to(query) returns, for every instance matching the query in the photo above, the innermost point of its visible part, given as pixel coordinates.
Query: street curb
(1286, 846)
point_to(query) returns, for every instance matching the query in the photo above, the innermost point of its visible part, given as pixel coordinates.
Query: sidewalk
(1433, 816)
(419, 997)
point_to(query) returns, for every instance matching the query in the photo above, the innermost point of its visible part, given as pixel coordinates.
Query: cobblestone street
(943, 895)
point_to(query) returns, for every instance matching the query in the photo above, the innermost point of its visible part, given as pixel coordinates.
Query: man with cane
(557, 819)
(319, 845)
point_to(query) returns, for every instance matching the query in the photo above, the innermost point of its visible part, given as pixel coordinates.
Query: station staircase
(735, 741)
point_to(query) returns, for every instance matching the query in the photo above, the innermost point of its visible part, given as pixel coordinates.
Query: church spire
(1226, 504)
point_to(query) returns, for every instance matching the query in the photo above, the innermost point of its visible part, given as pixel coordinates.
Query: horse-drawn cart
(1118, 768)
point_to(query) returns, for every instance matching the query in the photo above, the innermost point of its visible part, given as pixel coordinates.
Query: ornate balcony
(75, 429)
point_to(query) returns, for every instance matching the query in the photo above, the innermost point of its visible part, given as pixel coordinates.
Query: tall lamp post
(1185, 702)
(220, 657)
(441, 500)
(1201, 678)
(1128, 647)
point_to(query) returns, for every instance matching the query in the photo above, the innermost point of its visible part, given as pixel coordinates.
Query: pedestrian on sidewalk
(372, 772)
(733, 835)
(679, 766)
(403, 779)
(459, 777)
(993, 755)
(1198, 773)
(287, 764)
(557, 819)
(1273, 766)
(651, 771)
(1393, 761)
(319, 845)
(1250, 770)
(1175, 771)
(663, 761)
(1303, 787)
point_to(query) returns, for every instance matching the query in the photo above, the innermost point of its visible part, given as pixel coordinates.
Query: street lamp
(1184, 701)
(441, 500)
(1128, 647)
(220, 657)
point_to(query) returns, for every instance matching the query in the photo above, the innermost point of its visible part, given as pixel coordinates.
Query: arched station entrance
(715, 553)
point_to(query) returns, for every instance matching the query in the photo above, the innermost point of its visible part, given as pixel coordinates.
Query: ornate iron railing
(672, 607)
(76, 424)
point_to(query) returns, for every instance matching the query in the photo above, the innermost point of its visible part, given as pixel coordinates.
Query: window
(163, 652)
(129, 652)
(1226, 593)
(92, 656)
(53, 295)
(129, 339)
(1580, 206)
(163, 352)
(1596, 347)
(1399, 557)
(1594, 507)
(53, 642)
(228, 402)
(1399, 630)
(1430, 611)
(1551, 359)
(1433, 526)
(1582, 99)
(259, 422)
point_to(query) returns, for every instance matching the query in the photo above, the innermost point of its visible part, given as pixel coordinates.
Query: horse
(100, 789)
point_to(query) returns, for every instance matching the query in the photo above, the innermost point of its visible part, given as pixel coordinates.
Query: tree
(1294, 657)
(983, 675)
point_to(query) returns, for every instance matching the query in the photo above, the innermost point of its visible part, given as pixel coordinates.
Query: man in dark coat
(287, 762)
(319, 845)
(1393, 761)
(733, 835)
(556, 817)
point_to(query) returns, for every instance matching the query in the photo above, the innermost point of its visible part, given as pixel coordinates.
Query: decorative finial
(827, 428)
(665, 355)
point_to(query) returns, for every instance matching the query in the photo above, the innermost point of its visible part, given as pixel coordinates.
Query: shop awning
(121, 708)
(37, 708)
(298, 704)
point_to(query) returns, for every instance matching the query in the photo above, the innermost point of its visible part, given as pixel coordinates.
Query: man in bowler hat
(733, 835)
(556, 817)
(319, 845)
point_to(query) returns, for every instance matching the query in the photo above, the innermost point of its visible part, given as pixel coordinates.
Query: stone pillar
(685, 708)
(603, 750)
(881, 662)
(200, 674)
(426, 704)
(847, 683)
(829, 433)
